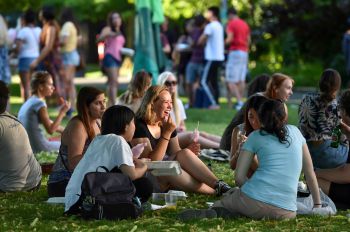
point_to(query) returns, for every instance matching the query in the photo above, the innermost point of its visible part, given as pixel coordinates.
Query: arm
(54, 126)
(339, 175)
(310, 176)
(75, 129)
(229, 37)
(49, 43)
(202, 39)
(18, 43)
(106, 32)
(134, 172)
(244, 161)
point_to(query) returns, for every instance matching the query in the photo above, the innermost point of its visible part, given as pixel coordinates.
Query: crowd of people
(267, 154)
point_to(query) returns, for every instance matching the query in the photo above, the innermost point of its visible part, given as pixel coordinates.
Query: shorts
(236, 66)
(24, 63)
(238, 203)
(70, 58)
(110, 62)
(340, 193)
(193, 72)
(324, 156)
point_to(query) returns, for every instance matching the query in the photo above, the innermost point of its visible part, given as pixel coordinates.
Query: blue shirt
(275, 182)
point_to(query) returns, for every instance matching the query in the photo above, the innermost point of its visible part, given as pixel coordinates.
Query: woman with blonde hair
(178, 114)
(155, 127)
(138, 86)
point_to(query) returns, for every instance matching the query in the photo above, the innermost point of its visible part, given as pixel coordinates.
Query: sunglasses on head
(170, 83)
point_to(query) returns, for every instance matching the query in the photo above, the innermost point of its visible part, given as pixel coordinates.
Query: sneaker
(222, 212)
(238, 105)
(190, 214)
(221, 187)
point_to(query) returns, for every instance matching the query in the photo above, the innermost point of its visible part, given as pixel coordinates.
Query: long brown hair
(86, 96)
(330, 82)
(274, 83)
(145, 111)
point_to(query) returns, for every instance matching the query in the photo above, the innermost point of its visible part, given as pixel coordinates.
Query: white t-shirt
(105, 150)
(182, 112)
(214, 48)
(30, 38)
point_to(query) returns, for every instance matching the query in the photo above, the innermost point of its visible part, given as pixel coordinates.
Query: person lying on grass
(156, 128)
(335, 182)
(111, 150)
(271, 192)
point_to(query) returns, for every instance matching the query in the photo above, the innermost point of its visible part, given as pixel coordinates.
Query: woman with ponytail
(318, 117)
(271, 192)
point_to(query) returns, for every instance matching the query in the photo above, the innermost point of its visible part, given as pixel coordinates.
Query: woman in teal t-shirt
(271, 192)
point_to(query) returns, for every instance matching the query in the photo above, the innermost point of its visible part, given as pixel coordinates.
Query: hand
(241, 139)
(168, 126)
(139, 163)
(65, 106)
(195, 148)
(138, 149)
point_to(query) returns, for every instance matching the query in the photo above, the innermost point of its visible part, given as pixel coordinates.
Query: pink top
(241, 32)
(113, 45)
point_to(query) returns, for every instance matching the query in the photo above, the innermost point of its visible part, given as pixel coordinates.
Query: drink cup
(170, 200)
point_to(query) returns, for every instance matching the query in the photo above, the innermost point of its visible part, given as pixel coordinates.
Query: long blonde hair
(3, 31)
(162, 78)
(145, 112)
(137, 87)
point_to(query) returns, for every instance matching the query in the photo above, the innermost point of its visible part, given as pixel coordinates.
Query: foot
(221, 187)
(238, 105)
(190, 214)
(214, 107)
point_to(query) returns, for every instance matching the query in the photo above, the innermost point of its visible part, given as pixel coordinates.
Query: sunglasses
(170, 83)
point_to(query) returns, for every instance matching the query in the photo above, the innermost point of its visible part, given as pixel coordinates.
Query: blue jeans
(193, 72)
(324, 156)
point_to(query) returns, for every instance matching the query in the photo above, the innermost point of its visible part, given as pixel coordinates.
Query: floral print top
(316, 118)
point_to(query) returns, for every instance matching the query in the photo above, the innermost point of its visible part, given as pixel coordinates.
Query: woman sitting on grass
(76, 138)
(111, 150)
(271, 192)
(34, 112)
(279, 87)
(138, 86)
(242, 131)
(155, 126)
(178, 113)
(335, 182)
(318, 116)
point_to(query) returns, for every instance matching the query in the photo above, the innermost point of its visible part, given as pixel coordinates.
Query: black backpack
(107, 195)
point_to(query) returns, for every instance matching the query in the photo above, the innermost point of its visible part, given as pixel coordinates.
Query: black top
(142, 131)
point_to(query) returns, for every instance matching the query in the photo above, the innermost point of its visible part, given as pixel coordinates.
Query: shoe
(221, 187)
(190, 214)
(214, 107)
(238, 105)
(222, 212)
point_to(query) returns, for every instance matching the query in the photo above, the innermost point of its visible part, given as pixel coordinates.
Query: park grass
(28, 211)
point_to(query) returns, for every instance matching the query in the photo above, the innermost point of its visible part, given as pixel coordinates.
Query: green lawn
(28, 211)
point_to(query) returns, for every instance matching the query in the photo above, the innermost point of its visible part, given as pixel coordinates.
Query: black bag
(108, 195)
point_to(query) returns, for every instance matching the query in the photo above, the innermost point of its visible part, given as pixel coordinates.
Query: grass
(29, 212)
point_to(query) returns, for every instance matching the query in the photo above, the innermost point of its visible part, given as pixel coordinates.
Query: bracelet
(317, 204)
(164, 138)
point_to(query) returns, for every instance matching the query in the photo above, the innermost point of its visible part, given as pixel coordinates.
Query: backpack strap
(103, 167)
(10, 116)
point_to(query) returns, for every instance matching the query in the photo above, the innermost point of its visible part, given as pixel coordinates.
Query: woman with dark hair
(34, 112)
(271, 192)
(136, 90)
(77, 136)
(69, 54)
(279, 87)
(318, 117)
(114, 41)
(111, 150)
(335, 182)
(49, 58)
(27, 46)
(242, 131)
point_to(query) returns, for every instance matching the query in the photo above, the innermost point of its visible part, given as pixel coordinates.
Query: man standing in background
(213, 38)
(238, 39)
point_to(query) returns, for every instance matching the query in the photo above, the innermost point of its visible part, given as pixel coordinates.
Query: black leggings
(57, 189)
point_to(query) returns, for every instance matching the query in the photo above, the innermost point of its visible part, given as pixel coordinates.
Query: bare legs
(70, 92)
(205, 140)
(234, 89)
(112, 85)
(25, 84)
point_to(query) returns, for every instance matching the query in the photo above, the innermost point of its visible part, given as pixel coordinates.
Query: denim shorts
(236, 66)
(71, 58)
(24, 63)
(324, 156)
(193, 72)
(110, 62)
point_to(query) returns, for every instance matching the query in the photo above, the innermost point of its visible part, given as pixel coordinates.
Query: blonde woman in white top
(178, 114)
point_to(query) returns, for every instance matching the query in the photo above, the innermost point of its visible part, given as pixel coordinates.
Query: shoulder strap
(10, 116)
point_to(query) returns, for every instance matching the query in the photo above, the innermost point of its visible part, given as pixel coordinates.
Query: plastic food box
(164, 168)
